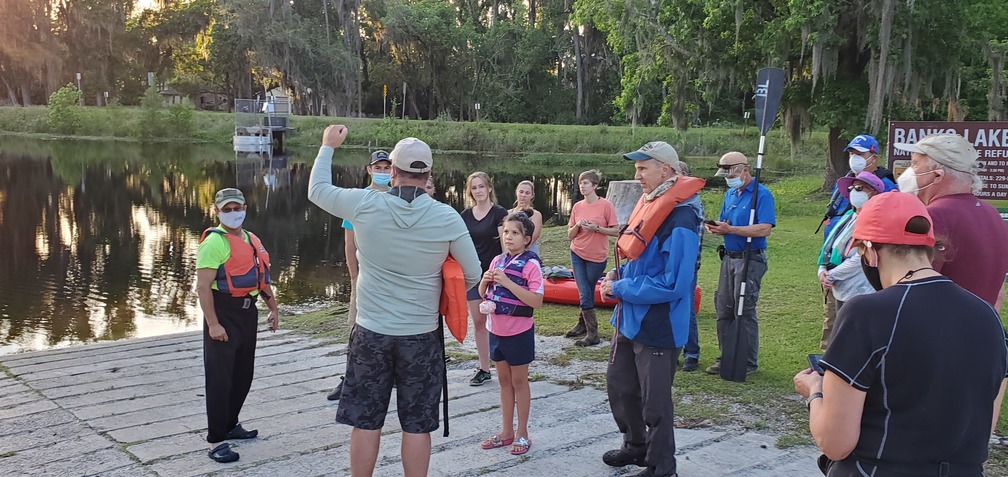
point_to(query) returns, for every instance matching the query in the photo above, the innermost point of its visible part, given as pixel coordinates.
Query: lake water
(99, 239)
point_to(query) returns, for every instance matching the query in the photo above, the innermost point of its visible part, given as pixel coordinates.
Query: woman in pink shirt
(592, 222)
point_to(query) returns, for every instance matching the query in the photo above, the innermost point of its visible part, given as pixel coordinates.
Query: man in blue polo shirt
(733, 225)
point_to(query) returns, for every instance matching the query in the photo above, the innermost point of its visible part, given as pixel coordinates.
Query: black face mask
(871, 273)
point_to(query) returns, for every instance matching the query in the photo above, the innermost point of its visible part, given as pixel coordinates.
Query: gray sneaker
(480, 378)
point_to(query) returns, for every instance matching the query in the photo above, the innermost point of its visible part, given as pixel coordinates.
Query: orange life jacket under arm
(648, 216)
(453, 304)
(247, 269)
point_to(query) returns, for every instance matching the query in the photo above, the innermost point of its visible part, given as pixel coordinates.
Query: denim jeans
(586, 275)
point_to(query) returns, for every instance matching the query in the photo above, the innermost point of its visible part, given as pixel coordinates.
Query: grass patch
(997, 461)
(328, 324)
(571, 145)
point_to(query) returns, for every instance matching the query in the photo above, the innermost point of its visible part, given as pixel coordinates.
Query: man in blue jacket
(655, 291)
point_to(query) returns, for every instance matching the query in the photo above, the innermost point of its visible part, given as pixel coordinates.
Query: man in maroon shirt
(972, 238)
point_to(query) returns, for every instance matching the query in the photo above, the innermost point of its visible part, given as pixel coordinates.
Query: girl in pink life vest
(512, 288)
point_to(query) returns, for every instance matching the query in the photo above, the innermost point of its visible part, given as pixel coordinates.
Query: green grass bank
(124, 123)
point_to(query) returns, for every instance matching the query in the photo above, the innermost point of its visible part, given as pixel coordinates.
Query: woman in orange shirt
(592, 222)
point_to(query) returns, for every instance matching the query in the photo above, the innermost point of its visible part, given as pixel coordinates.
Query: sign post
(990, 138)
(79, 92)
(477, 108)
(384, 102)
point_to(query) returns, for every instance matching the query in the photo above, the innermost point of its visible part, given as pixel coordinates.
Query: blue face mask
(381, 179)
(734, 182)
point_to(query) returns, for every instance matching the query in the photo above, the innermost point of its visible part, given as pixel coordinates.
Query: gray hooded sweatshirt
(401, 246)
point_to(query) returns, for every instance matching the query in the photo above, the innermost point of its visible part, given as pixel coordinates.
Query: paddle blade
(769, 87)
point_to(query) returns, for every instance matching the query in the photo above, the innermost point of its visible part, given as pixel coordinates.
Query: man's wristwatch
(812, 397)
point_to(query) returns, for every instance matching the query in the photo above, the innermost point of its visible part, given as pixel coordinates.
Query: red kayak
(564, 291)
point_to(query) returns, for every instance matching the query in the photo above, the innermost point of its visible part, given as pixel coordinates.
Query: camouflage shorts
(415, 363)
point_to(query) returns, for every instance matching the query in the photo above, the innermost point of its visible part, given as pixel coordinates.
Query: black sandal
(223, 453)
(239, 432)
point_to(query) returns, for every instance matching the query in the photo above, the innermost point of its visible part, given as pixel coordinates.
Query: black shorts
(473, 293)
(515, 350)
(415, 363)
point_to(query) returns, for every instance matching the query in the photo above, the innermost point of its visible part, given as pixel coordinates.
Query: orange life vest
(247, 269)
(453, 299)
(647, 217)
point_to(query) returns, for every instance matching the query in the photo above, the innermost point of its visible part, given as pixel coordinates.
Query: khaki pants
(829, 312)
(352, 313)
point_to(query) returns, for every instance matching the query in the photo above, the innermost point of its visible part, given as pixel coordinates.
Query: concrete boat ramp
(136, 408)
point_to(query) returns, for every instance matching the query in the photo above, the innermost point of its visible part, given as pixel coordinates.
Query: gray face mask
(232, 220)
(858, 198)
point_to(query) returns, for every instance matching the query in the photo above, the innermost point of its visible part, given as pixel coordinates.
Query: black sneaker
(618, 458)
(691, 364)
(480, 378)
(335, 394)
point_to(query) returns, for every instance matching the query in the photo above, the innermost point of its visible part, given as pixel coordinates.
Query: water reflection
(99, 240)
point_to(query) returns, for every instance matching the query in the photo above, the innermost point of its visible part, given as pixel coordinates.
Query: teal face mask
(381, 179)
(734, 182)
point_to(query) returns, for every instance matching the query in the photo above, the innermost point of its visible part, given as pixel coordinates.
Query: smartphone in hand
(813, 360)
(710, 222)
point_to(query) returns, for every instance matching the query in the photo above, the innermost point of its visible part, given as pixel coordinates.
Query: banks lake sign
(990, 138)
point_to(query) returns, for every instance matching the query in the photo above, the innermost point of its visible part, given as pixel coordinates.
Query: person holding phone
(733, 225)
(906, 390)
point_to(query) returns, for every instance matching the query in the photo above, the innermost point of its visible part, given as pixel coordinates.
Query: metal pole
(404, 100)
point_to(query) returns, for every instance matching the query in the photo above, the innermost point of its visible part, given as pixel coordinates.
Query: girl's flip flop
(521, 446)
(494, 442)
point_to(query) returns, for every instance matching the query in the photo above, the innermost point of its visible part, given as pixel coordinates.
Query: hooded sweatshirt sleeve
(338, 201)
(464, 252)
(675, 280)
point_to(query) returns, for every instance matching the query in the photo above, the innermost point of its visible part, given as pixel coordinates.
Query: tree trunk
(579, 73)
(995, 102)
(624, 196)
(879, 92)
(26, 93)
(11, 95)
(836, 162)
(678, 107)
(531, 13)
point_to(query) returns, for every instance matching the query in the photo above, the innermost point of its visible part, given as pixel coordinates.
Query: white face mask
(857, 163)
(858, 198)
(232, 220)
(907, 181)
